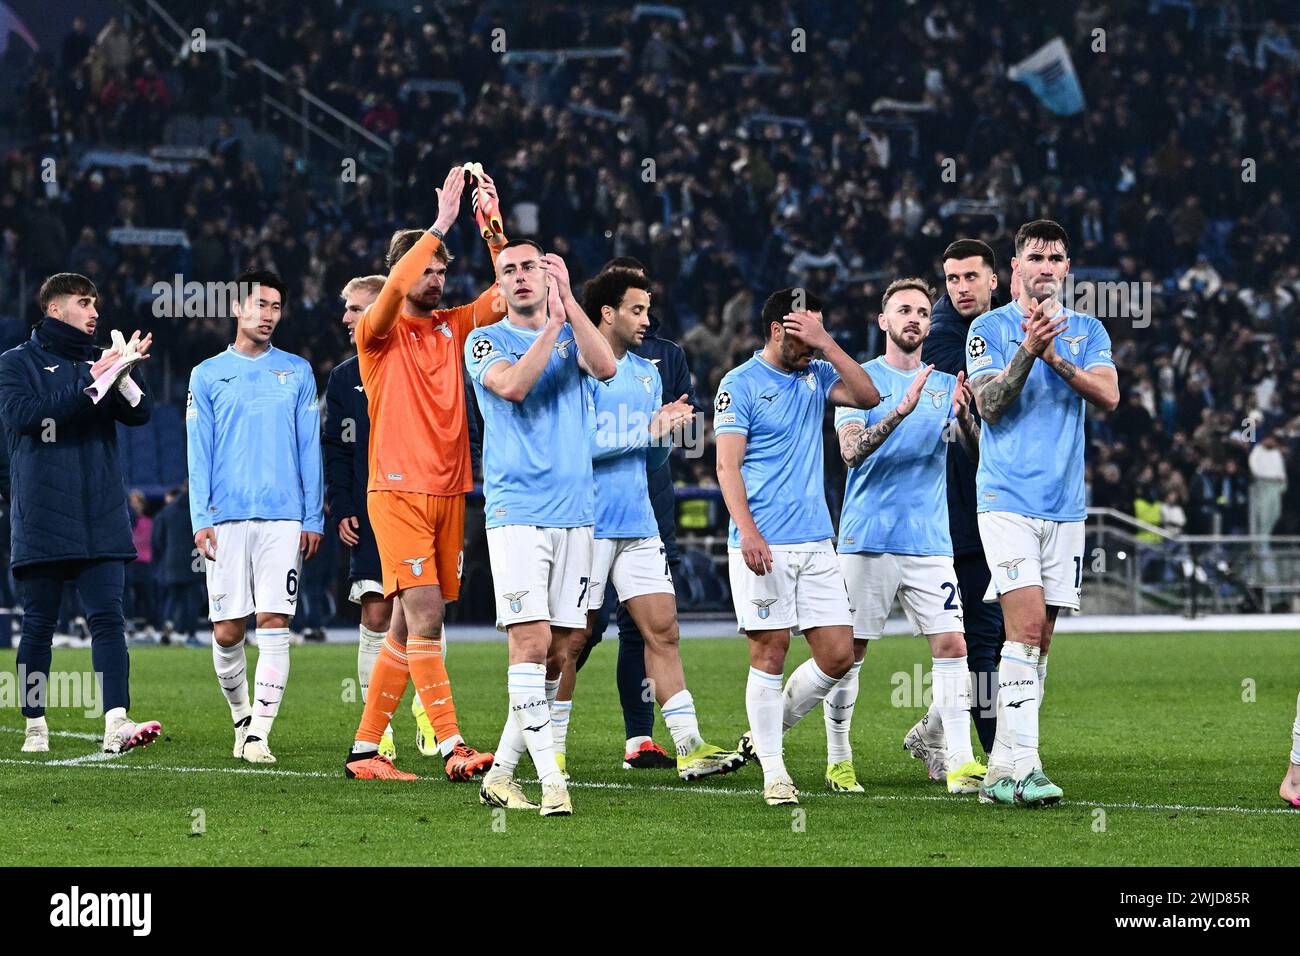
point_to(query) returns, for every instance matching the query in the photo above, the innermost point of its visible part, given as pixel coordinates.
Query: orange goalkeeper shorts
(421, 539)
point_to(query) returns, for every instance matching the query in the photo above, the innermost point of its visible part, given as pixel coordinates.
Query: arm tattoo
(995, 393)
(857, 443)
(970, 437)
(1065, 368)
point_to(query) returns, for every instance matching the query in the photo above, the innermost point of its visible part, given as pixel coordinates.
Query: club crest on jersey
(976, 346)
(1012, 568)
(444, 328)
(282, 376)
(516, 601)
(764, 606)
(810, 380)
(216, 602)
(937, 396)
(1074, 341)
(481, 350)
(722, 402)
(645, 381)
(417, 565)
(563, 347)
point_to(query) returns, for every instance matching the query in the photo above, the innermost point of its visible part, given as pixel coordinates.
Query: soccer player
(527, 373)
(633, 432)
(894, 537)
(1030, 394)
(61, 400)
(408, 352)
(1290, 789)
(784, 575)
(256, 505)
(970, 275)
(640, 752)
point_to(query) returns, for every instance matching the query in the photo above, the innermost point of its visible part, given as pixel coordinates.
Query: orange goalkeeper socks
(434, 687)
(387, 684)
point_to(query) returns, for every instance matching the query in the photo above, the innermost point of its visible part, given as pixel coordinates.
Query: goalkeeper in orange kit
(410, 353)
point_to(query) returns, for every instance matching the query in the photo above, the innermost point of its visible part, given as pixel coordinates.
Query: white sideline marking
(102, 762)
(56, 733)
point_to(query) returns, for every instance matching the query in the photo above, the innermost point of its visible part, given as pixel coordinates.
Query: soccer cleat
(255, 750)
(745, 747)
(1035, 790)
(373, 766)
(560, 761)
(936, 765)
(387, 748)
(241, 731)
(781, 793)
(649, 756)
(426, 741)
(501, 790)
(555, 801)
(967, 778)
(1001, 791)
(707, 760)
(128, 735)
(842, 778)
(36, 740)
(465, 763)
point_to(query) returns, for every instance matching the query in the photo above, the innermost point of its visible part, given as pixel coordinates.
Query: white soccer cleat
(255, 750)
(127, 735)
(936, 764)
(36, 740)
(241, 731)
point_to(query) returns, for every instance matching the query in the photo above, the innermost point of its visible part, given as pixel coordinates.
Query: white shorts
(257, 567)
(1033, 551)
(926, 587)
(804, 589)
(540, 574)
(635, 566)
(363, 586)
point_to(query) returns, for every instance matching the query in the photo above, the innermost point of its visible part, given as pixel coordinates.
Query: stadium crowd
(732, 152)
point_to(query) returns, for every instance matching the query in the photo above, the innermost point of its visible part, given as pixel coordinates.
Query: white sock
(269, 679)
(526, 684)
(806, 688)
(1295, 733)
(633, 744)
(837, 711)
(951, 687)
(509, 750)
(1000, 763)
(232, 674)
(552, 690)
(1042, 678)
(1018, 693)
(38, 723)
(679, 716)
(560, 712)
(764, 704)
(367, 654)
(114, 717)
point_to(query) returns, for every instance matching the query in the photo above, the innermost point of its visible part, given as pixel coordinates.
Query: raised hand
(449, 199)
(1040, 331)
(670, 417)
(808, 328)
(554, 304)
(906, 406)
(558, 273)
(962, 398)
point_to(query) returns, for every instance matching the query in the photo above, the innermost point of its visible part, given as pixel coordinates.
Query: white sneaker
(241, 731)
(936, 763)
(255, 750)
(127, 735)
(36, 740)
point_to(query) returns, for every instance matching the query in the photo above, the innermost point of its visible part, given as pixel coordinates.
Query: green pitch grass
(1162, 760)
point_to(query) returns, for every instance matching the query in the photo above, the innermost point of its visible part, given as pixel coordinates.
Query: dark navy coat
(173, 543)
(67, 497)
(347, 467)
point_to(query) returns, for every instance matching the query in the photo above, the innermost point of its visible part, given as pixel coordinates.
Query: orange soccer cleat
(373, 767)
(464, 763)
(649, 756)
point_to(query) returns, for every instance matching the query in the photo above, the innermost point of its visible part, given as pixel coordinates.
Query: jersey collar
(249, 358)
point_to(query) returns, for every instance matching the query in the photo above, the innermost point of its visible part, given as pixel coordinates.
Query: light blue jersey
(536, 470)
(620, 411)
(253, 429)
(781, 414)
(1031, 460)
(896, 502)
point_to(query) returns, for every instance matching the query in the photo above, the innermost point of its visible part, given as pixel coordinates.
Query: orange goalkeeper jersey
(414, 381)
